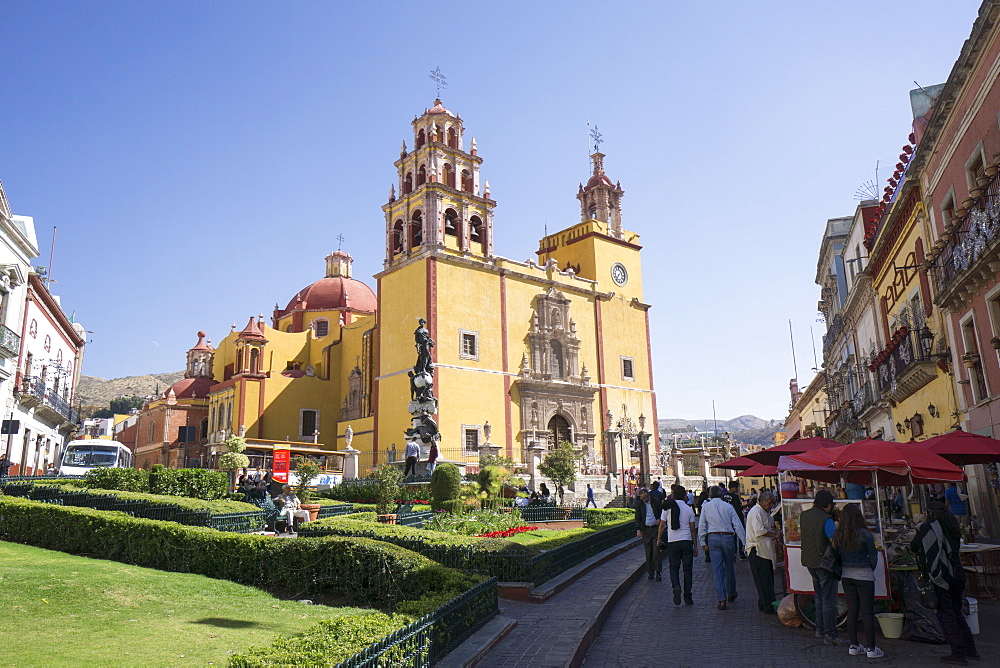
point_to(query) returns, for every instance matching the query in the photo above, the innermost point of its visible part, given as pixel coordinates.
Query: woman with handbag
(858, 558)
(936, 546)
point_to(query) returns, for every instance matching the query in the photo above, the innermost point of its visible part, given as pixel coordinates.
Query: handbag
(928, 594)
(831, 562)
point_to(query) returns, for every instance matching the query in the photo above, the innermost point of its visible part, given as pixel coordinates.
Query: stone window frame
(468, 429)
(316, 326)
(462, 354)
(628, 365)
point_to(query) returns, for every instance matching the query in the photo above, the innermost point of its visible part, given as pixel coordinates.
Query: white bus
(90, 453)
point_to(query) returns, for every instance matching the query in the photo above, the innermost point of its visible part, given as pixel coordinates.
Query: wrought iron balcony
(972, 251)
(901, 371)
(29, 390)
(10, 343)
(55, 402)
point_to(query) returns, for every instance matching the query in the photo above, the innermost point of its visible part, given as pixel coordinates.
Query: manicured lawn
(64, 610)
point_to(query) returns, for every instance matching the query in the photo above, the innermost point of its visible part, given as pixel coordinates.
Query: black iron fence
(429, 639)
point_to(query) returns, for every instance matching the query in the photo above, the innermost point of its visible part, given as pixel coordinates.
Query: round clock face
(619, 274)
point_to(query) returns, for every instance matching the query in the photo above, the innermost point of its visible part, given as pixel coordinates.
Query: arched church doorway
(560, 431)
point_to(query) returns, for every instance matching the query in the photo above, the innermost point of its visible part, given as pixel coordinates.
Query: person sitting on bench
(290, 509)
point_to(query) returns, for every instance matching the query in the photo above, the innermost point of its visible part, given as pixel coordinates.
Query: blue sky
(200, 159)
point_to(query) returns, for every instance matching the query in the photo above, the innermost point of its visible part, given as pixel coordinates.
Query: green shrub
(387, 478)
(603, 516)
(306, 470)
(446, 487)
(325, 644)
(217, 506)
(194, 483)
(127, 480)
(475, 523)
(357, 568)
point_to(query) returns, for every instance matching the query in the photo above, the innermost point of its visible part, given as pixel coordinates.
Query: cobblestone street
(645, 629)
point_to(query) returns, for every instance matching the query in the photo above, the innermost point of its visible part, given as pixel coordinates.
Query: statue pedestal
(489, 449)
(351, 463)
(423, 407)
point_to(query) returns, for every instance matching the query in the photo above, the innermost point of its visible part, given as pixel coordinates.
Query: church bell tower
(440, 202)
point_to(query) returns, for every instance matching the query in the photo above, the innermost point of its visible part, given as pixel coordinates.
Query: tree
(559, 466)
(125, 405)
(306, 470)
(234, 458)
(446, 488)
(387, 489)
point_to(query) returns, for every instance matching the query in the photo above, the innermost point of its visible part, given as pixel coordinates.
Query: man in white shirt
(290, 509)
(678, 520)
(647, 521)
(718, 528)
(412, 454)
(762, 535)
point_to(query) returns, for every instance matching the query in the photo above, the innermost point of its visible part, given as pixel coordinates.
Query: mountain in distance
(745, 428)
(93, 392)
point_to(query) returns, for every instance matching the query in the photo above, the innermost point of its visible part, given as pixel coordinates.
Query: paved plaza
(645, 628)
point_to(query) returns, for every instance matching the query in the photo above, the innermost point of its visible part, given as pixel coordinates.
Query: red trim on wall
(608, 454)
(432, 304)
(378, 369)
(260, 408)
(656, 424)
(925, 287)
(243, 405)
(503, 351)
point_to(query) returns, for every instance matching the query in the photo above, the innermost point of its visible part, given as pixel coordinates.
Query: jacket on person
(812, 523)
(866, 556)
(640, 512)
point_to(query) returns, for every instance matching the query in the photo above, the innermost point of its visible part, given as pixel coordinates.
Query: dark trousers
(411, 466)
(590, 500)
(956, 629)
(825, 586)
(681, 552)
(653, 564)
(860, 602)
(763, 578)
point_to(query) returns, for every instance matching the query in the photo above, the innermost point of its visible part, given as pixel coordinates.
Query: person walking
(762, 535)
(718, 529)
(736, 500)
(856, 547)
(657, 492)
(590, 497)
(936, 546)
(647, 522)
(817, 527)
(677, 518)
(432, 457)
(412, 454)
(5, 465)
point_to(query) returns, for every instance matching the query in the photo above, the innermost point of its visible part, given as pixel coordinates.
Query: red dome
(334, 292)
(599, 180)
(188, 388)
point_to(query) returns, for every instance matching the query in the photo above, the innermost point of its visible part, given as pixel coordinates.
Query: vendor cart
(873, 463)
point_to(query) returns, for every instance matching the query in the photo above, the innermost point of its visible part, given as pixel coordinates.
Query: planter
(388, 518)
(313, 509)
(970, 359)
(968, 203)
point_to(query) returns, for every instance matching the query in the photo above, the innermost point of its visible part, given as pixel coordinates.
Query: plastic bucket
(973, 618)
(789, 490)
(891, 624)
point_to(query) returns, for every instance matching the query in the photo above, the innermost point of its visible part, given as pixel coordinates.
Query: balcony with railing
(28, 390)
(10, 343)
(903, 367)
(970, 246)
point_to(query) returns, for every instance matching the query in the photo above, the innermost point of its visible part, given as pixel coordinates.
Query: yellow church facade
(526, 355)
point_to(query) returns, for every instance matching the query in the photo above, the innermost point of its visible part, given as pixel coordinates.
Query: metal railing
(56, 402)
(430, 638)
(976, 234)
(10, 342)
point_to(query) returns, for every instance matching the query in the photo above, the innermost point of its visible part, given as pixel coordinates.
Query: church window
(416, 229)
(452, 138)
(421, 138)
(451, 222)
(239, 361)
(466, 181)
(555, 359)
(321, 327)
(149, 431)
(254, 361)
(408, 183)
(475, 229)
(288, 328)
(438, 133)
(628, 368)
(308, 422)
(397, 237)
(204, 429)
(469, 342)
(471, 439)
(421, 176)
(449, 175)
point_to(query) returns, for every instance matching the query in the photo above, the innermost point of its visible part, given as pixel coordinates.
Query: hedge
(606, 516)
(218, 506)
(194, 483)
(362, 570)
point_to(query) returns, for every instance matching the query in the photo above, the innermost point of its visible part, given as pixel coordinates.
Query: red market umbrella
(758, 471)
(963, 448)
(770, 455)
(896, 463)
(736, 463)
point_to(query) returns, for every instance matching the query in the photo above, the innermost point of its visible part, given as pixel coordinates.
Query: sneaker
(834, 640)
(659, 577)
(875, 653)
(857, 650)
(690, 601)
(819, 635)
(677, 595)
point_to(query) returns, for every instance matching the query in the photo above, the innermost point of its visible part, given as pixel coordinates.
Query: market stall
(871, 463)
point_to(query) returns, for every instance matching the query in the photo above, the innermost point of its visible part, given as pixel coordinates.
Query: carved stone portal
(556, 399)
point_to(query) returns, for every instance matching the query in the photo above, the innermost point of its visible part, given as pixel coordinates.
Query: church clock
(618, 273)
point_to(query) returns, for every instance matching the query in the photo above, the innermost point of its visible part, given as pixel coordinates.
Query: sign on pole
(279, 467)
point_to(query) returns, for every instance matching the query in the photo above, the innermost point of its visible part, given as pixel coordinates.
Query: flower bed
(506, 532)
